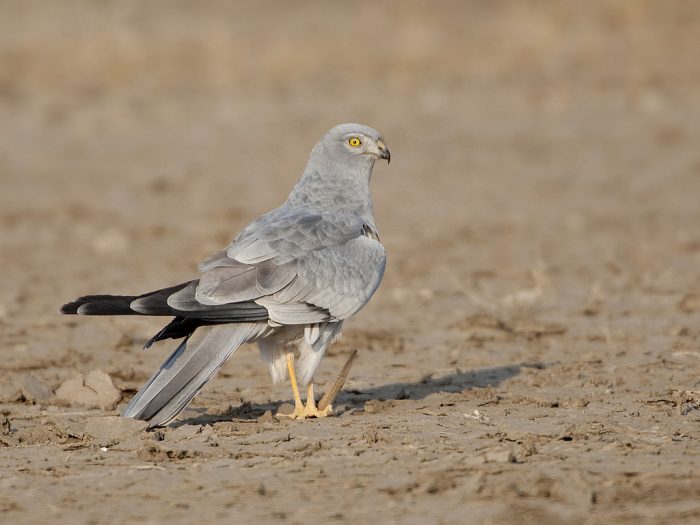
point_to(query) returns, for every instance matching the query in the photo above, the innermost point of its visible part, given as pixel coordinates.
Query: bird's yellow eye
(354, 142)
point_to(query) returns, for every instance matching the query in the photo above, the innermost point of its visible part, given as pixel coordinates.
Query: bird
(287, 281)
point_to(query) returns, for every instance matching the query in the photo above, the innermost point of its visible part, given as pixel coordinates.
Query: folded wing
(303, 267)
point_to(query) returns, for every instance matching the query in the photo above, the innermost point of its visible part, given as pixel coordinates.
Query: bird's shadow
(450, 383)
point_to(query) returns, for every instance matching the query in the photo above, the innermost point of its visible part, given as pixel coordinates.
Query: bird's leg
(311, 410)
(325, 406)
(298, 405)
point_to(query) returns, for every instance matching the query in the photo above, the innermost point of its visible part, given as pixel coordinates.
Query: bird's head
(358, 141)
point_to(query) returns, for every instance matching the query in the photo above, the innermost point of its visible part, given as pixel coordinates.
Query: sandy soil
(533, 353)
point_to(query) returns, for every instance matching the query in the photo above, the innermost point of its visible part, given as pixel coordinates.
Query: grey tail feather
(118, 304)
(100, 305)
(187, 370)
(189, 313)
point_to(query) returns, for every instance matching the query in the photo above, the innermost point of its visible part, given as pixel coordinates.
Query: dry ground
(533, 353)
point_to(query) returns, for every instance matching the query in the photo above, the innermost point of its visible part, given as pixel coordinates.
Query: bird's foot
(311, 410)
(325, 407)
(306, 412)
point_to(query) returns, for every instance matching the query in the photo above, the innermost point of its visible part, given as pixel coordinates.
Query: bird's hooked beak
(384, 152)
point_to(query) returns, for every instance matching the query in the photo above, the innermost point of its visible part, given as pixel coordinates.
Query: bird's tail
(186, 371)
(122, 304)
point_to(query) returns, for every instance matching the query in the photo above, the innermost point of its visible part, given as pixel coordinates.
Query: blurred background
(137, 137)
(543, 147)
(542, 206)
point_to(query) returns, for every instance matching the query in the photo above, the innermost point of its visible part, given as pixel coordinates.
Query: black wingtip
(70, 308)
(99, 305)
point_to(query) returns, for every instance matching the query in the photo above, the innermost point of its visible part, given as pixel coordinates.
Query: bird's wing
(303, 266)
(187, 370)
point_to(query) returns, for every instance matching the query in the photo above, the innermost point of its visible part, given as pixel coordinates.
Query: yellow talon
(325, 408)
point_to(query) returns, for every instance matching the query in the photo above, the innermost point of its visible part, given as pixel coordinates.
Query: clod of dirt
(267, 417)
(438, 483)
(496, 455)
(110, 430)
(690, 303)
(10, 391)
(23, 388)
(157, 454)
(94, 390)
(500, 456)
(33, 390)
(48, 432)
(183, 432)
(373, 435)
(285, 409)
(5, 425)
(374, 406)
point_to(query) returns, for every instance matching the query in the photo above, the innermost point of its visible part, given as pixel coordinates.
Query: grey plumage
(290, 277)
(186, 371)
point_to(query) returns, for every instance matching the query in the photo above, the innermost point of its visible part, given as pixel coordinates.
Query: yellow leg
(298, 405)
(324, 407)
(310, 399)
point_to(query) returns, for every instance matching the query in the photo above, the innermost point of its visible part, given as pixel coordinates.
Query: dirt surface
(533, 352)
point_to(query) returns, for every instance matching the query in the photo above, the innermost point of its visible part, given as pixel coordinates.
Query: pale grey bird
(287, 281)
